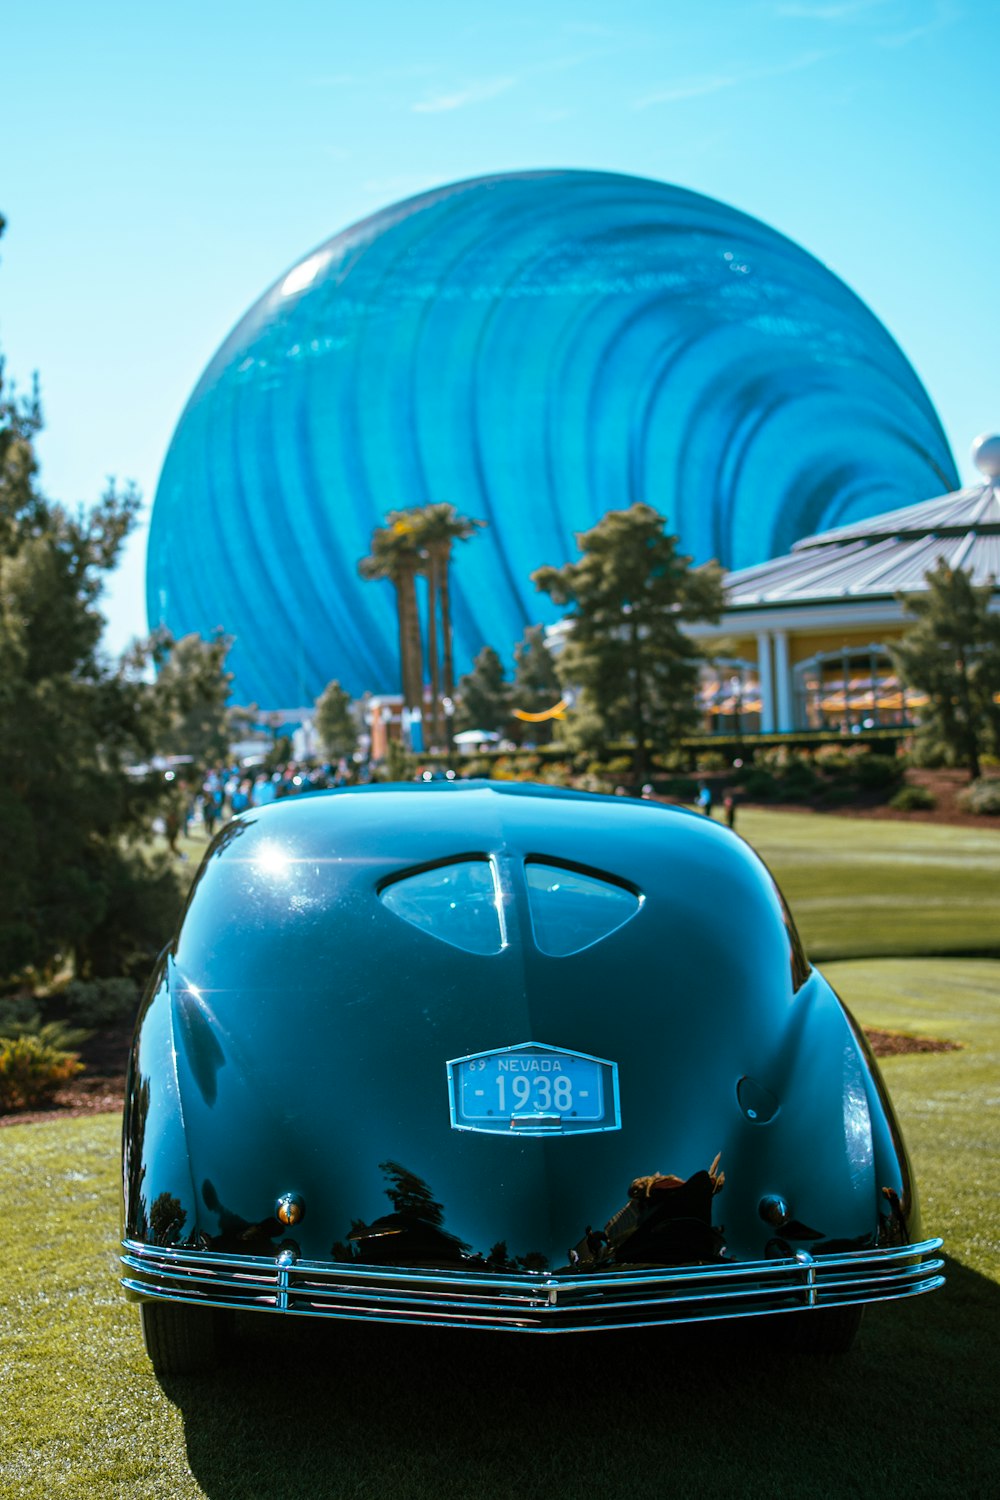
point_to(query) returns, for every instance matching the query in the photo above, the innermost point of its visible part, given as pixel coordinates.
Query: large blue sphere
(535, 348)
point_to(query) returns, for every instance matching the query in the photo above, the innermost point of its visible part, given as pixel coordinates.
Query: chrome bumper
(532, 1302)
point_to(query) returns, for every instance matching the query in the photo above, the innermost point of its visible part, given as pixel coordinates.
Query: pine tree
(194, 689)
(536, 683)
(74, 879)
(484, 695)
(335, 725)
(629, 595)
(952, 653)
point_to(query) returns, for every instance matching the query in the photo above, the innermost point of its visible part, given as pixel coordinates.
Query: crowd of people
(226, 791)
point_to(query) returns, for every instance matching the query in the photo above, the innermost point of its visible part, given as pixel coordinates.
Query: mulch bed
(945, 787)
(892, 1043)
(99, 1090)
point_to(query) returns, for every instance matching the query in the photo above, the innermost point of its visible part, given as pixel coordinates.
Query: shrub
(18, 1014)
(711, 760)
(505, 768)
(775, 758)
(983, 796)
(877, 772)
(101, 1002)
(681, 787)
(142, 898)
(837, 796)
(797, 783)
(556, 773)
(476, 768)
(399, 764)
(33, 1066)
(589, 781)
(759, 785)
(912, 799)
(833, 759)
(672, 760)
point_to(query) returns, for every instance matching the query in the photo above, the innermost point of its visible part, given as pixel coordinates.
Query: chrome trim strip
(809, 1265)
(537, 1302)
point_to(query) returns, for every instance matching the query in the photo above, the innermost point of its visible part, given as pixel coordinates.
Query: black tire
(182, 1339)
(823, 1331)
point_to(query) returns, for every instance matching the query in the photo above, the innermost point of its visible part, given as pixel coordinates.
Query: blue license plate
(530, 1085)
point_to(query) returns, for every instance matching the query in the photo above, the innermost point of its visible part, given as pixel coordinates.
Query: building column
(782, 682)
(766, 682)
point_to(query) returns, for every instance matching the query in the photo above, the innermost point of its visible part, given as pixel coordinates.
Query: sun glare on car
(271, 860)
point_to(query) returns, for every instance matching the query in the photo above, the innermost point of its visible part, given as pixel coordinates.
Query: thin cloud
(482, 90)
(714, 83)
(473, 93)
(838, 10)
(691, 88)
(945, 15)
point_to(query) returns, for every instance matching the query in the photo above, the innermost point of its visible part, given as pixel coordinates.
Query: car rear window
(458, 903)
(571, 910)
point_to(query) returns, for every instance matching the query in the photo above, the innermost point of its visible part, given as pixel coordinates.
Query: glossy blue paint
(298, 1037)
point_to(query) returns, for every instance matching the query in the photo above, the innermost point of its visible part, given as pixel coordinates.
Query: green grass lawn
(863, 887)
(328, 1409)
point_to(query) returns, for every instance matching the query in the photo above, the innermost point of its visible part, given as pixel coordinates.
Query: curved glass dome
(535, 348)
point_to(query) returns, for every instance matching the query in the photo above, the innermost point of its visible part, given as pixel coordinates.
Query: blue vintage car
(502, 1057)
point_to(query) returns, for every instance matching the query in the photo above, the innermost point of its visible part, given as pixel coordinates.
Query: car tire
(183, 1340)
(825, 1331)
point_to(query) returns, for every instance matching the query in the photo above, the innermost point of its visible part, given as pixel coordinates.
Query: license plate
(531, 1089)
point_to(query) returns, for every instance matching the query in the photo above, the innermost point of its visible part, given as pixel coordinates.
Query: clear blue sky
(163, 165)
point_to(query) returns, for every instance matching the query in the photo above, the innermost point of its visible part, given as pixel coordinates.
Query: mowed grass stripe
(861, 887)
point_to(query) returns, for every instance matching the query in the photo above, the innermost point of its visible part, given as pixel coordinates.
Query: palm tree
(419, 540)
(395, 555)
(437, 527)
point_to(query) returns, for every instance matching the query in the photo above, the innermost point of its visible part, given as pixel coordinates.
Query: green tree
(73, 879)
(335, 723)
(395, 557)
(629, 595)
(484, 695)
(536, 683)
(952, 653)
(194, 688)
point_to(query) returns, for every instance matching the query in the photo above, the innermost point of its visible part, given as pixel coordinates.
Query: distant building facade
(807, 635)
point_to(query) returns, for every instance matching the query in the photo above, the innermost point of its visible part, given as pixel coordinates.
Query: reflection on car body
(571, 1043)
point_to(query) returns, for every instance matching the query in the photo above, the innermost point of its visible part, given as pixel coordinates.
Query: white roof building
(807, 634)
